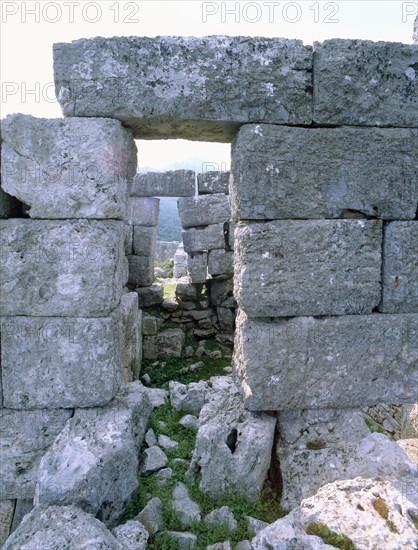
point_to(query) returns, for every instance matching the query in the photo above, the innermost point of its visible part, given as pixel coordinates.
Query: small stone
(216, 354)
(186, 292)
(149, 325)
(146, 379)
(244, 545)
(188, 398)
(188, 351)
(187, 509)
(163, 476)
(255, 525)
(157, 396)
(166, 442)
(220, 546)
(169, 305)
(197, 366)
(132, 535)
(152, 459)
(190, 421)
(200, 351)
(150, 438)
(222, 517)
(151, 516)
(185, 541)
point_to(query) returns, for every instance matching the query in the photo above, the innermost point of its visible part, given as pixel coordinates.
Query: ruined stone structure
(324, 198)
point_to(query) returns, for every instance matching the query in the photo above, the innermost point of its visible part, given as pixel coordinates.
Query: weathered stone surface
(150, 296)
(186, 292)
(165, 250)
(199, 239)
(187, 509)
(173, 183)
(152, 516)
(152, 460)
(71, 268)
(226, 545)
(167, 343)
(68, 168)
(400, 268)
(157, 396)
(189, 421)
(197, 267)
(233, 446)
(143, 211)
(22, 507)
(226, 318)
(193, 88)
(221, 291)
(63, 527)
(348, 508)
(309, 173)
(132, 535)
(25, 437)
(222, 517)
(128, 238)
(308, 267)
(329, 362)
(141, 270)
(415, 33)
(220, 262)
(144, 240)
(180, 262)
(359, 82)
(132, 347)
(204, 210)
(103, 444)
(149, 325)
(53, 362)
(188, 398)
(7, 508)
(185, 541)
(209, 183)
(410, 448)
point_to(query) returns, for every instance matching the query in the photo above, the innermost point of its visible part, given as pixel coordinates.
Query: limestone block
(193, 88)
(197, 267)
(328, 362)
(213, 182)
(168, 343)
(364, 83)
(68, 168)
(204, 210)
(143, 211)
(220, 291)
(25, 437)
(128, 238)
(165, 250)
(144, 240)
(141, 270)
(73, 268)
(400, 268)
(220, 262)
(57, 362)
(132, 347)
(173, 183)
(309, 267)
(310, 173)
(151, 295)
(180, 262)
(199, 239)
(132, 535)
(103, 445)
(7, 508)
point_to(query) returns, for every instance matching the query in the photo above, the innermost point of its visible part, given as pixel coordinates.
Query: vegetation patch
(316, 444)
(330, 537)
(382, 509)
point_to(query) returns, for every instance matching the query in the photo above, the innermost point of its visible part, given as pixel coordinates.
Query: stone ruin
(323, 191)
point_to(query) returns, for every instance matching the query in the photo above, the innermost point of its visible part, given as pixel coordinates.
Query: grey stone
(160, 272)
(243, 545)
(162, 477)
(188, 398)
(199, 239)
(185, 541)
(26, 437)
(204, 210)
(190, 421)
(226, 319)
(169, 306)
(53, 362)
(328, 362)
(22, 507)
(180, 262)
(149, 325)
(152, 460)
(255, 525)
(347, 508)
(173, 183)
(308, 267)
(167, 343)
(233, 446)
(415, 32)
(103, 444)
(197, 267)
(212, 182)
(187, 509)
(150, 296)
(220, 261)
(157, 396)
(165, 250)
(128, 239)
(221, 291)
(222, 517)
(144, 240)
(143, 211)
(132, 346)
(186, 292)
(167, 443)
(151, 516)
(359, 82)
(132, 535)
(141, 270)
(284, 173)
(400, 268)
(150, 437)
(7, 508)
(193, 88)
(63, 527)
(68, 168)
(226, 545)
(71, 268)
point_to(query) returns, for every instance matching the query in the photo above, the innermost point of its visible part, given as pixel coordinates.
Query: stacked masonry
(70, 334)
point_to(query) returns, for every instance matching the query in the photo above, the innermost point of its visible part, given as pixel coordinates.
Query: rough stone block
(220, 262)
(143, 211)
(174, 183)
(204, 210)
(180, 262)
(68, 168)
(193, 88)
(151, 295)
(200, 239)
(329, 362)
(25, 437)
(309, 267)
(141, 270)
(209, 183)
(400, 268)
(364, 83)
(220, 291)
(165, 250)
(144, 240)
(132, 347)
(197, 267)
(128, 238)
(71, 268)
(310, 173)
(57, 362)
(168, 343)
(7, 508)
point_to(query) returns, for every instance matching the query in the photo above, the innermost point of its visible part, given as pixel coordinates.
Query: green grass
(374, 427)
(330, 537)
